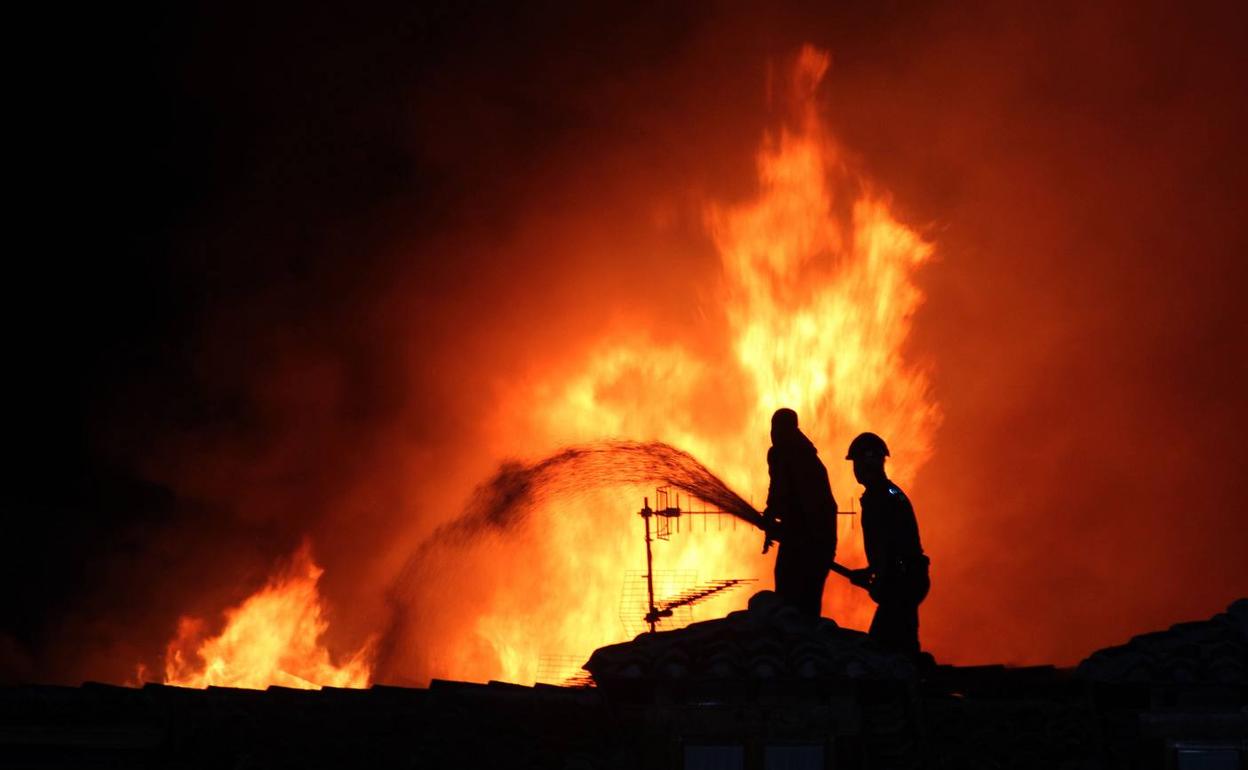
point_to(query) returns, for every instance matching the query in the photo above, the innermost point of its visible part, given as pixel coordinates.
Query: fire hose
(852, 575)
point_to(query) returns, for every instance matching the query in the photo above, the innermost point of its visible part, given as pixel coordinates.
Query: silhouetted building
(761, 688)
(1176, 698)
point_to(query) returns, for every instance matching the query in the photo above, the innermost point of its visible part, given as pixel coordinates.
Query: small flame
(272, 638)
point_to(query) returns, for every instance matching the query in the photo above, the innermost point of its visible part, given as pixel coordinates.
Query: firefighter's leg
(806, 579)
(812, 602)
(784, 574)
(800, 581)
(896, 626)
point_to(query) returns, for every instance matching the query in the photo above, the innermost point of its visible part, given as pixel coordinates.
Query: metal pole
(652, 615)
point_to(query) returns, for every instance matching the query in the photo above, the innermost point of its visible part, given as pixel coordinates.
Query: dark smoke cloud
(1086, 174)
(317, 238)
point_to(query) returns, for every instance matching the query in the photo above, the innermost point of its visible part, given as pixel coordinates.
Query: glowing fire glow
(817, 298)
(821, 308)
(273, 637)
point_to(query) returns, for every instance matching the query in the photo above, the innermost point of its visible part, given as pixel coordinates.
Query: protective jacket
(800, 497)
(890, 535)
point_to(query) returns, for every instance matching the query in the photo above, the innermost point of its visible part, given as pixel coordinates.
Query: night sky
(269, 250)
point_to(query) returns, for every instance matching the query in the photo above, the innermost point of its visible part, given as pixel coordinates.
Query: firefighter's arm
(770, 524)
(771, 519)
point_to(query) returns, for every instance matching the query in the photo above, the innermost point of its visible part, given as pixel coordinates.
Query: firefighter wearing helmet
(897, 572)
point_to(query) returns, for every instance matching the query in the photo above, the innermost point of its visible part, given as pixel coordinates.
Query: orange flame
(820, 307)
(818, 298)
(272, 638)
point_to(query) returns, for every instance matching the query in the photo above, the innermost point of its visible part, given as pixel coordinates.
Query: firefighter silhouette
(897, 570)
(800, 513)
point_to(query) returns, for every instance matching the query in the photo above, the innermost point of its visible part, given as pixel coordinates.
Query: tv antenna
(666, 517)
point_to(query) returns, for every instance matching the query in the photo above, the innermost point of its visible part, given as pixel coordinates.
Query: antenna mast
(664, 514)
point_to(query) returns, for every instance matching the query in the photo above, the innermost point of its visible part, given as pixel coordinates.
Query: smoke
(343, 240)
(1089, 187)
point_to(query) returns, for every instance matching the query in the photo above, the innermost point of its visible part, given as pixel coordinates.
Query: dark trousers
(896, 623)
(895, 626)
(800, 576)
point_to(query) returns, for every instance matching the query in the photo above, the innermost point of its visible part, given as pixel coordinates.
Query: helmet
(867, 446)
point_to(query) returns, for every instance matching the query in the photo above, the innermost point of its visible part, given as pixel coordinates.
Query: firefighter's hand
(862, 578)
(769, 527)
